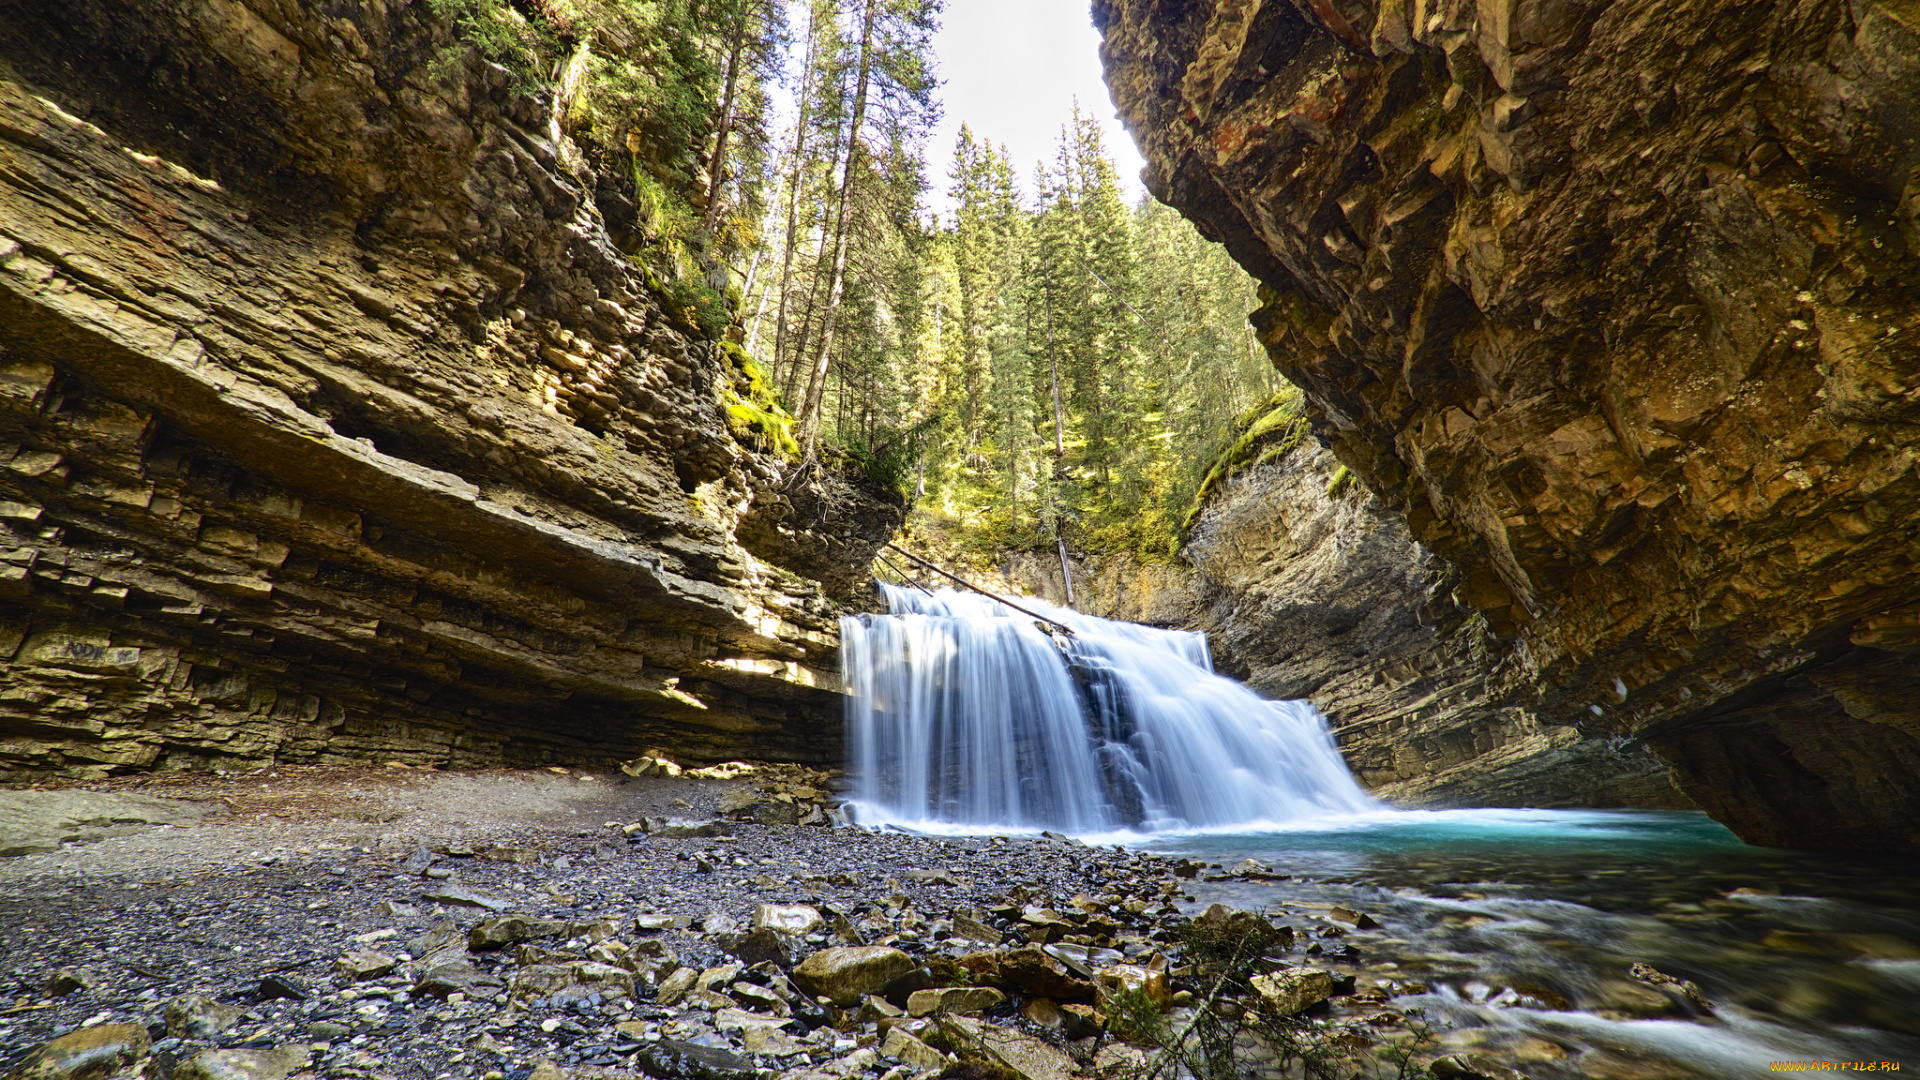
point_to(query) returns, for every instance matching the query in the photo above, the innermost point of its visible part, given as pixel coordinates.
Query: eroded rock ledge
(332, 427)
(1615, 302)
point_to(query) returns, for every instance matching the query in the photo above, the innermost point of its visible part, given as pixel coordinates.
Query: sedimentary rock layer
(332, 426)
(1616, 303)
(1310, 588)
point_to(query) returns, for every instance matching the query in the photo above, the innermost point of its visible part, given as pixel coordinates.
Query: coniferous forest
(1009, 343)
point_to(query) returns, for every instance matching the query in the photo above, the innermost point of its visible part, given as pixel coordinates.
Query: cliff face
(332, 427)
(1615, 303)
(1306, 594)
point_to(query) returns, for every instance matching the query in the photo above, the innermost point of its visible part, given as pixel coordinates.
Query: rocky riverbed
(395, 923)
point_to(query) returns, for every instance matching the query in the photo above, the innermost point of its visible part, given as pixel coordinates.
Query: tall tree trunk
(718, 173)
(816, 384)
(793, 195)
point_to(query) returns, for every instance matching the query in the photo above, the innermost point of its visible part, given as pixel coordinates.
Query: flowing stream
(1512, 931)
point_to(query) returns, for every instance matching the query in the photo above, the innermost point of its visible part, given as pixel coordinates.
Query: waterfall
(962, 712)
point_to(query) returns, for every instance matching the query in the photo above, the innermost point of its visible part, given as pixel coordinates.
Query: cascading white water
(963, 712)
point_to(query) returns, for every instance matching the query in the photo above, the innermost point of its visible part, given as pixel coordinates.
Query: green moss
(1266, 432)
(755, 416)
(1341, 480)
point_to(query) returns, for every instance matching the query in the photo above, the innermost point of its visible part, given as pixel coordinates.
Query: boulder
(845, 974)
(508, 929)
(953, 1000)
(1293, 990)
(197, 1016)
(794, 919)
(1022, 1055)
(98, 1051)
(902, 1046)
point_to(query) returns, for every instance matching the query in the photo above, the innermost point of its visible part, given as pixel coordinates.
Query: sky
(1010, 70)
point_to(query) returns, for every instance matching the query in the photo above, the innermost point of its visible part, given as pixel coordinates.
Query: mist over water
(966, 715)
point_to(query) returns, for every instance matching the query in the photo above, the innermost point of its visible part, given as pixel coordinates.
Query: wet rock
(794, 919)
(1470, 1067)
(363, 964)
(1030, 971)
(455, 975)
(953, 1000)
(1684, 987)
(1241, 930)
(690, 828)
(902, 1046)
(197, 1016)
(88, 1054)
(510, 929)
(461, 896)
(70, 980)
(762, 946)
(1022, 1055)
(973, 930)
(845, 974)
(572, 980)
(743, 1020)
(279, 985)
(1358, 919)
(243, 1064)
(674, 987)
(671, 1059)
(1148, 979)
(1293, 990)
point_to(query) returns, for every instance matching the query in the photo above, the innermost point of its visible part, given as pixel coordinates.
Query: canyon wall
(1307, 587)
(334, 428)
(1615, 305)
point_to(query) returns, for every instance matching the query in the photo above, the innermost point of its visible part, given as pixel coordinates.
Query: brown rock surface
(1615, 304)
(333, 428)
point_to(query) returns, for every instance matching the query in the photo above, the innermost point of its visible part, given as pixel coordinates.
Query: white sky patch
(1011, 70)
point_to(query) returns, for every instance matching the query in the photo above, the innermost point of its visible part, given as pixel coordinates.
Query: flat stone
(461, 896)
(363, 964)
(762, 946)
(671, 1059)
(98, 1051)
(674, 987)
(975, 930)
(742, 1020)
(197, 1016)
(1293, 990)
(454, 975)
(795, 919)
(1030, 971)
(903, 1047)
(275, 1064)
(508, 929)
(845, 974)
(692, 828)
(953, 999)
(70, 980)
(1022, 1055)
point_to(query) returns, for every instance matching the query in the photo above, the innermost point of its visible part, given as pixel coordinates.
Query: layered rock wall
(1615, 303)
(332, 427)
